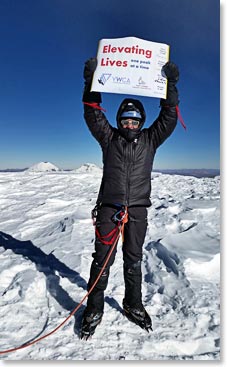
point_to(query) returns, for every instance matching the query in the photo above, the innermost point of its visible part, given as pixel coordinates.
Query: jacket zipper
(129, 165)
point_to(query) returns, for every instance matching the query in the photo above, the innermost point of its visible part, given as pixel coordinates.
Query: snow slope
(46, 242)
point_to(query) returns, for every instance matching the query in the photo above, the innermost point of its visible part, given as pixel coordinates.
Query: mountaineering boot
(138, 315)
(95, 303)
(89, 323)
(132, 303)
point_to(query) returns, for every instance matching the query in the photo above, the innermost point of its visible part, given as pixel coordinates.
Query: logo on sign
(121, 80)
(103, 79)
(141, 81)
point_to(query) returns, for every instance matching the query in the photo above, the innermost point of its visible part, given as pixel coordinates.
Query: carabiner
(119, 215)
(94, 213)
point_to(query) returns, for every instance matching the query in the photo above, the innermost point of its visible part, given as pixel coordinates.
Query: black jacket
(128, 159)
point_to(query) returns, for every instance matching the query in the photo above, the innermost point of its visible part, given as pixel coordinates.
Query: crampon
(139, 316)
(89, 324)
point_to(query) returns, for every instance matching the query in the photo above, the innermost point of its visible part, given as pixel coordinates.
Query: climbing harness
(118, 218)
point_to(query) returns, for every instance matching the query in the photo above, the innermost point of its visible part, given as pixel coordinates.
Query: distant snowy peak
(43, 167)
(89, 168)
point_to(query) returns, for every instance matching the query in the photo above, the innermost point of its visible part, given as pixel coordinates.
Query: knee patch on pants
(133, 269)
(103, 280)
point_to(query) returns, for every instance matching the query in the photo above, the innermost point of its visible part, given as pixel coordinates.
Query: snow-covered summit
(43, 167)
(46, 246)
(89, 168)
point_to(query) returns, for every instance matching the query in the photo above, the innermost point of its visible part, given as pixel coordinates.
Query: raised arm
(166, 122)
(93, 115)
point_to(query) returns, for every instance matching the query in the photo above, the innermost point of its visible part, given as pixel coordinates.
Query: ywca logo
(103, 79)
(121, 80)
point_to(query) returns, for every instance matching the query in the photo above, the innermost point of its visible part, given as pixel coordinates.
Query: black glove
(171, 72)
(89, 69)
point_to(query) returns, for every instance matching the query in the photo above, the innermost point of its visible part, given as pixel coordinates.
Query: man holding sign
(128, 154)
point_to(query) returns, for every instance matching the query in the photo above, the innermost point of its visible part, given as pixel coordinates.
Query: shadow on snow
(48, 264)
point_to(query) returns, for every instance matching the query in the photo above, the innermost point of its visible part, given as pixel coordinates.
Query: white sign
(131, 65)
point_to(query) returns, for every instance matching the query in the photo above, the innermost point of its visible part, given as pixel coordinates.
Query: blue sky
(43, 47)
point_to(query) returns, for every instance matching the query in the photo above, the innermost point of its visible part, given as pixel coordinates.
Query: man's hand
(171, 72)
(89, 68)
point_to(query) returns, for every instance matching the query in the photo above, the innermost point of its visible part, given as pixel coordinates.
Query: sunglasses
(128, 122)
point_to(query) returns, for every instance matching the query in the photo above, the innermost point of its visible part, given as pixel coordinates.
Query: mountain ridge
(196, 172)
